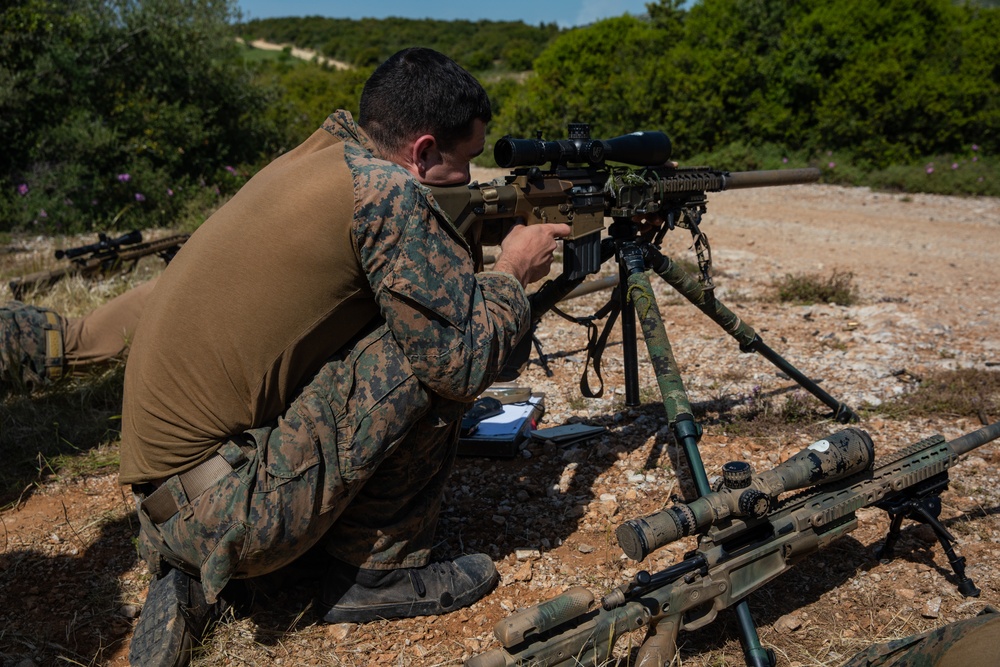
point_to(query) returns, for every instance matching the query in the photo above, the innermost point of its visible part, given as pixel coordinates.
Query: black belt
(160, 505)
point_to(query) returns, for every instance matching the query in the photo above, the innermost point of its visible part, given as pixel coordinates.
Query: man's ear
(424, 153)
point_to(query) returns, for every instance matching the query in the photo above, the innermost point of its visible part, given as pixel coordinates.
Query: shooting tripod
(635, 302)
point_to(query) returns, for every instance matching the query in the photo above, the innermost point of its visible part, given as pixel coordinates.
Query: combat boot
(173, 621)
(353, 595)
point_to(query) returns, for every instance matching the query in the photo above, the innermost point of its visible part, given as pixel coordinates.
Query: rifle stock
(735, 557)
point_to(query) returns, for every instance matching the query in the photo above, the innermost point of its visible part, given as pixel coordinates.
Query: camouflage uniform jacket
(282, 277)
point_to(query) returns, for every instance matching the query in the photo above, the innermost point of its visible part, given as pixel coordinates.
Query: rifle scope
(104, 243)
(744, 494)
(645, 149)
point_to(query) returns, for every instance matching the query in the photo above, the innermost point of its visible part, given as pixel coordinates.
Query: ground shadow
(67, 607)
(74, 418)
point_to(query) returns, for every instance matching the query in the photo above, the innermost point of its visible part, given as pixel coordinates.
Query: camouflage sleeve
(455, 327)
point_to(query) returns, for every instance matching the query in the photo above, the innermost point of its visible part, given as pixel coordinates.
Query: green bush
(601, 74)
(839, 288)
(113, 111)
(477, 45)
(872, 85)
(944, 174)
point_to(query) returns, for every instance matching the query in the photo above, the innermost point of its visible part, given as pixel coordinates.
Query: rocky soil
(925, 269)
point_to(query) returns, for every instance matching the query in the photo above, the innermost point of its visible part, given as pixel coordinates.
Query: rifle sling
(595, 343)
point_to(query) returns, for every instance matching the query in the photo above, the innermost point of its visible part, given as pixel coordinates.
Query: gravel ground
(924, 267)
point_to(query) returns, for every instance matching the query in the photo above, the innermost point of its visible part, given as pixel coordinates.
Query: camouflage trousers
(968, 643)
(31, 345)
(359, 461)
(39, 346)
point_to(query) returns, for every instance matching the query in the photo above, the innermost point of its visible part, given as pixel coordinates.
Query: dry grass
(963, 392)
(71, 427)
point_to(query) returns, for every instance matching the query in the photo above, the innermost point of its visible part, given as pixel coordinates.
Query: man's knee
(31, 346)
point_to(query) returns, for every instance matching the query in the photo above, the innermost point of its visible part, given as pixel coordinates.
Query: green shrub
(965, 392)
(800, 288)
(112, 110)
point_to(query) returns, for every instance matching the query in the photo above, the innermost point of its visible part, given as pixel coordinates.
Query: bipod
(923, 505)
(634, 302)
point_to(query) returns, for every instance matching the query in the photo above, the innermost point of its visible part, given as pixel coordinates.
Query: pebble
(787, 623)
(932, 608)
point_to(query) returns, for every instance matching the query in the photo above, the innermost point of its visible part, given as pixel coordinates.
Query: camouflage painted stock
(106, 256)
(748, 538)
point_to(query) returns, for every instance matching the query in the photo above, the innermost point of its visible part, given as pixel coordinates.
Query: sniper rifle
(747, 538)
(582, 189)
(106, 256)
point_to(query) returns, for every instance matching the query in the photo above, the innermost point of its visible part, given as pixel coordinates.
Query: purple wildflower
(43, 214)
(124, 178)
(231, 170)
(831, 165)
(22, 189)
(140, 197)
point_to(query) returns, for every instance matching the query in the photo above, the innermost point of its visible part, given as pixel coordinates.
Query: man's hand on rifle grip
(527, 250)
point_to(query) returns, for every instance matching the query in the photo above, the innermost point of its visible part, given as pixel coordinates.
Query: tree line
(478, 46)
(122, 114)
(890, 82)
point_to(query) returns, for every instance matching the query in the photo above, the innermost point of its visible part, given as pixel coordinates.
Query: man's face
(452, 167)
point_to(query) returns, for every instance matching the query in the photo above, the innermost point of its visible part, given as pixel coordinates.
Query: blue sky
(566, 13)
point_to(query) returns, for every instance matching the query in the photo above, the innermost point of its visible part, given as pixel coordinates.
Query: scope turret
(646, 149)
(831, 459)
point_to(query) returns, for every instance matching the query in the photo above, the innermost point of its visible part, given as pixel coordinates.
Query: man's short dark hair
(420, 91)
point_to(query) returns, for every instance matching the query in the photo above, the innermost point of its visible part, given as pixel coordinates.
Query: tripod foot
(845, 415)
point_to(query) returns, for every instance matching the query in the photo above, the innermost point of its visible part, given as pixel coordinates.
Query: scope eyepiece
(647, 149)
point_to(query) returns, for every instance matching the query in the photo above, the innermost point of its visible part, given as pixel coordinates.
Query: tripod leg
(686, 431)
(630, 354)
(661, 355)
(744, 334)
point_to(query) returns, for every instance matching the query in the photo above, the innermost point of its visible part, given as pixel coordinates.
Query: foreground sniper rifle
(582, 189)
(747, 537)
(106, 256)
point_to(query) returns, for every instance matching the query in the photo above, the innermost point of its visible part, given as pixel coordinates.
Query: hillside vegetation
(477, 45)
(117, 114)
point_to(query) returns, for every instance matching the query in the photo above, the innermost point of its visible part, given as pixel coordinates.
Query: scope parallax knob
(754, 504)
(737, 474)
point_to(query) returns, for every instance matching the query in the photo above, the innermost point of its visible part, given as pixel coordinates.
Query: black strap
(596, 343)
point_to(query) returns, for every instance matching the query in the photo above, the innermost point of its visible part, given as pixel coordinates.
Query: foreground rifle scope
(743, 494)
(645, 149)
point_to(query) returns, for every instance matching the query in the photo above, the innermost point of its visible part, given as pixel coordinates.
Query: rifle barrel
(970, 441)
(759, 179)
